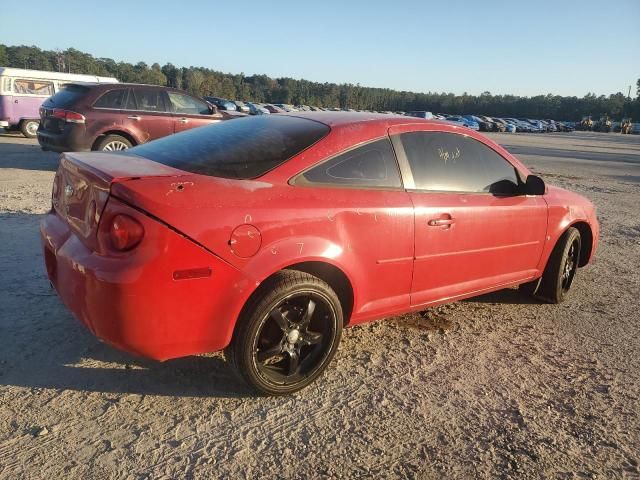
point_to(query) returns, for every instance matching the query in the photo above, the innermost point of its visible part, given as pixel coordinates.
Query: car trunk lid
(83, 182)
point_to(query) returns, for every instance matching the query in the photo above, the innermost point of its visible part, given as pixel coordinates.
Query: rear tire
(113, 143)
(561, 268)
(287, 333)
(29, 128)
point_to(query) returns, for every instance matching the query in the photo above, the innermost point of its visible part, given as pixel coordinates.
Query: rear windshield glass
(67, 96)
(241, 148)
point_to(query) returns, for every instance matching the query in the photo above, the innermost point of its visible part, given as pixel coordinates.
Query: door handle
(183, 120)
(134, 117)
(441, 222)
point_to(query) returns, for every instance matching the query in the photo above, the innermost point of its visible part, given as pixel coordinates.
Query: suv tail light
(125, 232)
(68, 116)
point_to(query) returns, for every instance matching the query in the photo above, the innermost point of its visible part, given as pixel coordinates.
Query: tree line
(202, 81)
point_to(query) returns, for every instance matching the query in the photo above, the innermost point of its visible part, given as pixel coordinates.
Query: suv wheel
(113, 143)
(29, 128)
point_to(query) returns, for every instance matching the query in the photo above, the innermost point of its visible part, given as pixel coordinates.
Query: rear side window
(149, 99)
(241, 148)
(371, 165)
(33, 87)
(113, 99)
(68, 96)
(457, 163)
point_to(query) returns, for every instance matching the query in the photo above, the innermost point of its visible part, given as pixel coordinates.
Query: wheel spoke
(312, 338)
(294, 361)
(268, 353)
(278, 317)
(308, 314)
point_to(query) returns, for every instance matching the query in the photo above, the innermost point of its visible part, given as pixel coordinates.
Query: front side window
(114, 99)
(33, 87)
(148, 99)
(187, 105)
(448, 162)
(371, 165)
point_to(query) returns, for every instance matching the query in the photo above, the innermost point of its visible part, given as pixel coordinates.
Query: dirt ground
(496, 387)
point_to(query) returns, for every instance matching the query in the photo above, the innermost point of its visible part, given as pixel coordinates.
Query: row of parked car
(69, 112)
(475, 122)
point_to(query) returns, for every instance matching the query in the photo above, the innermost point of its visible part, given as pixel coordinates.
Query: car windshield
(242, 148)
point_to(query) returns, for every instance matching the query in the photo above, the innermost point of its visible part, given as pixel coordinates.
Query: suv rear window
(66, 97)
(241, 148)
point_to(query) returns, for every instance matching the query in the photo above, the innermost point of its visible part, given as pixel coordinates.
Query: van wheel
(287, 333)
(113, 143)
(29, 128)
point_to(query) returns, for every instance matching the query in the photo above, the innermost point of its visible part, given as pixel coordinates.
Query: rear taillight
(125, 232)
(68, 116)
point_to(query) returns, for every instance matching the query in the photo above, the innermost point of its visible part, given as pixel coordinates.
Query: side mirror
(213, 109)
(534, 186)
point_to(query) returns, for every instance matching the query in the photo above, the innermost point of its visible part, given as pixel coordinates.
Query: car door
(474, 230)
(146, 114)
(190, 112)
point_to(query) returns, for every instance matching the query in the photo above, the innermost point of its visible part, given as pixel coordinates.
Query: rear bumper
(71, 139)
(132, 300)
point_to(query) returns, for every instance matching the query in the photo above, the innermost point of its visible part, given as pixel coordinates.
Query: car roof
(340, 119)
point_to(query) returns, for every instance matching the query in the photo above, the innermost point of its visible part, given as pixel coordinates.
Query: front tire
(29, 128)
(113, 143)
(287, 334)
(561, 268)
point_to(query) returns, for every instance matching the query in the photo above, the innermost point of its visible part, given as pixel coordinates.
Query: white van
(23, 91)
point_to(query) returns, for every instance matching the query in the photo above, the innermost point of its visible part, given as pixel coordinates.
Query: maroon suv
(118, 116)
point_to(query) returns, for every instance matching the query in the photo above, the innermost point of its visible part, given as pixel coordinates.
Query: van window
(33, 87)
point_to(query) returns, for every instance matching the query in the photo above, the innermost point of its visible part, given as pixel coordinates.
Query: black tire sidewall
(551, 285)
(253, 317)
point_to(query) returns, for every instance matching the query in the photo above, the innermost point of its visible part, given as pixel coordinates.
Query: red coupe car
(266, 235)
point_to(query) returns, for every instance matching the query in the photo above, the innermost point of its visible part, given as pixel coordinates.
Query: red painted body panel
(246, 230)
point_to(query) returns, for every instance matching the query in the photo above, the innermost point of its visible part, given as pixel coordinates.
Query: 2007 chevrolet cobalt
(265, 236)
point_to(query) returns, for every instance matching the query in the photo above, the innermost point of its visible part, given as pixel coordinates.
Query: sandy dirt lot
(496, 387)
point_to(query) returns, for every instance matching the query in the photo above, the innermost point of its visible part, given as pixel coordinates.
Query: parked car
(241, 106)
(520, 125)
(492, 125)
(274, 109)
(255, 236)
(503, 125)
(463, 121)
(286, 107)
(118, 116)
(421, 114)
(483, 125)
(255, 109)
(23, 91)
(222, 103)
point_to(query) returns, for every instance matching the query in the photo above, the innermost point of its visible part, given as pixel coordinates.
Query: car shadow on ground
(511, 296)
(24, 153)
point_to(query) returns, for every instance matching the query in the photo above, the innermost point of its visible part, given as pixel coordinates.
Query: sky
(529, 47)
